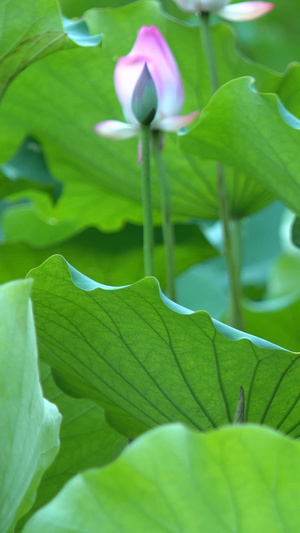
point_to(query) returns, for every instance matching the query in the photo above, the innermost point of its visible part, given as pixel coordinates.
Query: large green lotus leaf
(86, 440)
(115, 259)
(172, 479)
(149, 362)
(253, 132)
(29, 424)
(101, 177)
(30, 31)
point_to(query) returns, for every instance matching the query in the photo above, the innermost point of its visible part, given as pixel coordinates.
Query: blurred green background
(61, 194)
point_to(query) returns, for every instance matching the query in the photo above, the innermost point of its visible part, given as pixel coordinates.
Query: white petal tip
(175, 123)
(245, 11)
(113, 129)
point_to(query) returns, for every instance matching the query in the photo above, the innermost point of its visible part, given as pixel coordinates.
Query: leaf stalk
(148, 240)
(230, 231)
(167, 226)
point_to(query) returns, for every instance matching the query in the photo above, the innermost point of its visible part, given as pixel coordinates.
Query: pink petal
(127, 73)
(152, 45)
(245, 11)
(151, 48)
(113, 129)
(175, 123)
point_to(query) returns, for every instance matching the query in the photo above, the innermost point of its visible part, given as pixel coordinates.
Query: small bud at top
(144, 98)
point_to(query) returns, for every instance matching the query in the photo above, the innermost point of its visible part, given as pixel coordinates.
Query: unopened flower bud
(144, 98)
(155, 98)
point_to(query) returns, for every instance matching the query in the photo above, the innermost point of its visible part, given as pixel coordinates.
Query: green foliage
(29, 32)
(25, 38)
(275, 319)
(261, 246)
(243, 478)
(122, 355)
(76, 8)
(27, 169)
(94, 337)
(86, 440)
(113, 259)
(296, 232)
(288, 90)
(243, 117)
(82, 161)
(29, 424)
(272, 40)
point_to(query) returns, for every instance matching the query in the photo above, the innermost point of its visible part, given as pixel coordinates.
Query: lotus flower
(149, 62)
(236, 12)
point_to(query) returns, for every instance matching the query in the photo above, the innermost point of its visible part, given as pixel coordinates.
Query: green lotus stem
(168, 231)
(231, 236)
(236, 250)
(209, 53)
(232, 252)
(148, 244)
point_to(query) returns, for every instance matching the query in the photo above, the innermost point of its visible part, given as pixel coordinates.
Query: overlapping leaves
(115, 259)
(190, 369)
(29, 32)
(86, 441)
(254, 133)
(29, 424)
(61, 113)
(173, 479)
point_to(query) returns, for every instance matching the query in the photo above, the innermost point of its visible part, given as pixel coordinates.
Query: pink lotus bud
(237, 12)
(144, 98)
(150, 48)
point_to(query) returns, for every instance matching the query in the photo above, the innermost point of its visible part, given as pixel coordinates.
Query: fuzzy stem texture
(232, 252)
(168, 230)
(148, 245)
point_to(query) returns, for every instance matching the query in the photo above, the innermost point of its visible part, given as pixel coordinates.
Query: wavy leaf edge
(86, 284)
